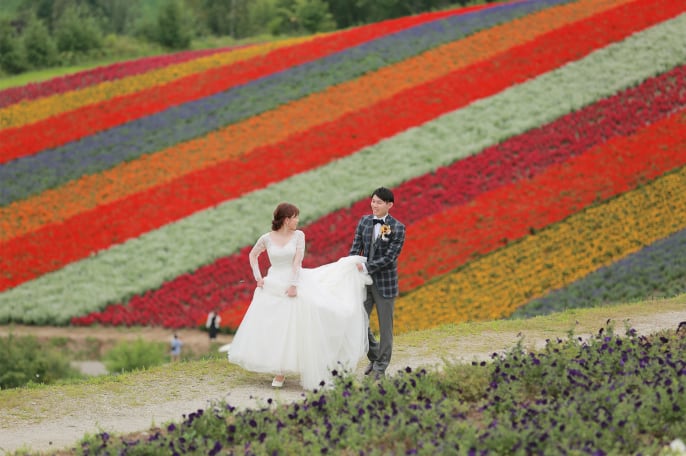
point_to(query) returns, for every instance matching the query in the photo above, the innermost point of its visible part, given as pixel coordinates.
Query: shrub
(24, 360)
(77, 33)
(173, 28)
(132, 355)
(12, 59)
(41, 51)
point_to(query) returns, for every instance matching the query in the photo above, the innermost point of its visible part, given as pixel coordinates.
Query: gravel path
(151, 402)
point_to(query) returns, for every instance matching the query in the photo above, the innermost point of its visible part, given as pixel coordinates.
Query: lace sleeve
(259, 247)
(299, 255)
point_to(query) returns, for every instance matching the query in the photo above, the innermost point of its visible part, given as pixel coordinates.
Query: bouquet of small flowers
(385, 231)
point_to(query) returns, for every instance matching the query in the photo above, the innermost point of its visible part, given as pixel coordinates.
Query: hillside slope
(536, 149)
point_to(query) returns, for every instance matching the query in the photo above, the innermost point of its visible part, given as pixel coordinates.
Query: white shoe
(224, 348)
(278, 383)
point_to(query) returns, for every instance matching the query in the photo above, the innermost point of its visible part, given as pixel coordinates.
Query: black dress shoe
(368, 370)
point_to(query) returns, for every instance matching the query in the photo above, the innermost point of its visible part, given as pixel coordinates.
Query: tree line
(36, 34)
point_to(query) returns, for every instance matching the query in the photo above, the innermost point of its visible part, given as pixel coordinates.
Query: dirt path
(58, 417)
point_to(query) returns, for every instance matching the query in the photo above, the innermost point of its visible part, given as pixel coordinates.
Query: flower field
(536, 148)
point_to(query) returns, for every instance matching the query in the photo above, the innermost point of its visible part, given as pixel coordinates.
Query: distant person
(176, 348)
(212, 324)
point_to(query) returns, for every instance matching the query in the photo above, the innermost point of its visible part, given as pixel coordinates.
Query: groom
(380, 237)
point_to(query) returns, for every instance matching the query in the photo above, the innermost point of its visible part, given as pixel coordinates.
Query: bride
(301, 321)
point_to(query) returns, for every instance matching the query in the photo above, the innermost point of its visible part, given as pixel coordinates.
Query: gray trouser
(380, 351)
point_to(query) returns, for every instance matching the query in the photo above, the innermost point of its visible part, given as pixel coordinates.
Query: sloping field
(536, 150)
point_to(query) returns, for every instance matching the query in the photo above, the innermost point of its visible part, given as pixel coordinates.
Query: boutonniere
(385, 231)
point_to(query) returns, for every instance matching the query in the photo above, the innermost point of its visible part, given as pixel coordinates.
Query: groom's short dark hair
(384, 194)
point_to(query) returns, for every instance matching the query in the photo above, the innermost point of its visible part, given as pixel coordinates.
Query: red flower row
(56, 245)
(228, 282)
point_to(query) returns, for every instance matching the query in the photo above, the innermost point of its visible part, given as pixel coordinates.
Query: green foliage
(39, 46)
(226, 17)
(315, 16)
(295, 17)
(466, 381)
(12, 58)
(23, 360)
(173, 28)
(131, 355)
(43, 10)
(77, 32)
(117, 45)
(118, 16)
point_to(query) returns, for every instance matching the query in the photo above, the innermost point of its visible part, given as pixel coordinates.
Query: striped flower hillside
(535, 147)
(106, 106)
(390, 82)
(194, 119)
(314, 147)
(426, 255)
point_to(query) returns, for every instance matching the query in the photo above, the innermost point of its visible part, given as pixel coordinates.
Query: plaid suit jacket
(382, 264)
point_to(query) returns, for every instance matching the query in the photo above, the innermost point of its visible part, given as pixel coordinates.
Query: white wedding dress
(323, 328)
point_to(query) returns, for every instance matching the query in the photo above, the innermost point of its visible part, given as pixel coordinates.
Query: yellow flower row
(164, 166)
(492, 287)
(32, 111)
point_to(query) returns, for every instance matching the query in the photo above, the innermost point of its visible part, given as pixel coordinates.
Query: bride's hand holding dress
(302, 321)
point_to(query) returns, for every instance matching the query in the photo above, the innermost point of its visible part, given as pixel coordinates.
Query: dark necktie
(377, 221)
